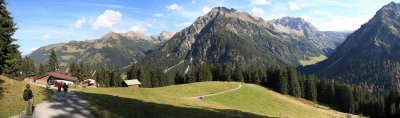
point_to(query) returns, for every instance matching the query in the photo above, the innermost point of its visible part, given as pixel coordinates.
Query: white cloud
(107, 19)
(341, 23)
(45, 37)
(294, 6)
(206, 9)
(78, 23)
(138, 28)
(260, 2)
(257, 11)
(173, 7)
(158, 15)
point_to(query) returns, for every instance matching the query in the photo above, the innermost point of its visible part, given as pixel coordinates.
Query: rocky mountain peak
(165, 36)
(111, 35)
(294, 23)
(222, 10)
(134, 35)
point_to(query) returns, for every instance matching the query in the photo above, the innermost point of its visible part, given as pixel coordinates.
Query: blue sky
(44, 22)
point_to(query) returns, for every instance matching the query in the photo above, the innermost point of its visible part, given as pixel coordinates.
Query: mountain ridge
(370, 56)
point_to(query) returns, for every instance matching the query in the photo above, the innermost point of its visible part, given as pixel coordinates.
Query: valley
(255, 58)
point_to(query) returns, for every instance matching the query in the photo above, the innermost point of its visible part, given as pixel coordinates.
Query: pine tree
(257, 76)
(294, 86)
(204, 73)
(132, 72)
(282, 83)
(53, 61)
(28, 67)
(238, 74)
(10, 57)
(117, 77)
(226, 72)
(311, 89)
(102, 77)
(190, 77)
(112, 76)
(143, 77)
(42, 69)
(178, 79)
(73, 68)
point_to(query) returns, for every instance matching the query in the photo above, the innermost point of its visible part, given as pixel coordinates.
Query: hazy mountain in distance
(113, 49)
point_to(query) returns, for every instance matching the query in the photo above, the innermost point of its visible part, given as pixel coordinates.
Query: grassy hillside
(248, 101)
(11, 101)
(312, 60)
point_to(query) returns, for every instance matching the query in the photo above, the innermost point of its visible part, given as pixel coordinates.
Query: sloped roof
(60, 74)
(132, 82)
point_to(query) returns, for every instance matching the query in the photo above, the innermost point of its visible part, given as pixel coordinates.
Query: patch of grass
(11, 99)
(312, 60)
(259, 100)
(248, 101)
(160, 102)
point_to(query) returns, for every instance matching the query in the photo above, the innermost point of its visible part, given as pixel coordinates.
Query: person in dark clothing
(65, 88)
(28, 95)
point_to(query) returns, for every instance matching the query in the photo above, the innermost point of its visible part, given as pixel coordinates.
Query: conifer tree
(204, 73)
(10, 57)
(227, 72)
(283, 83)
(294, 86)
(53, 61)
(238, 74)
(311, 88)
(132, 72)
(42, 69)
(178, 79)
(28, 67)
(143, 77)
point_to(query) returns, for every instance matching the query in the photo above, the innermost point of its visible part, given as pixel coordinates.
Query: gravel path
(60, 106)
(212, 94)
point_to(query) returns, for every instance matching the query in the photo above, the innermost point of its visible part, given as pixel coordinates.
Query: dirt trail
(212, 94)
(60, 106)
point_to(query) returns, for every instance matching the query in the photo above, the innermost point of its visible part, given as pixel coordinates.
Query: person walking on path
(28, 95)
(65, 88)
(58, 87)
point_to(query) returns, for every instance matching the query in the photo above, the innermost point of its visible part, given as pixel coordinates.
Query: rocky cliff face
(298, 27)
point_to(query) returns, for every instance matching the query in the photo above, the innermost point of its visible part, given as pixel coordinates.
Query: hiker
(65, 87)
(28, 98)
(58, 87)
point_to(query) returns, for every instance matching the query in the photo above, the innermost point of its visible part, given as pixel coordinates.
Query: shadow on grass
(113, 106)
(47, 93)
(1, 88)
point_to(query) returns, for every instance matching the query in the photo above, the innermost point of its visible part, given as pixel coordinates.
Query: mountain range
(228, 35)
(222, 35)
(370, 56)
(113, 49)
